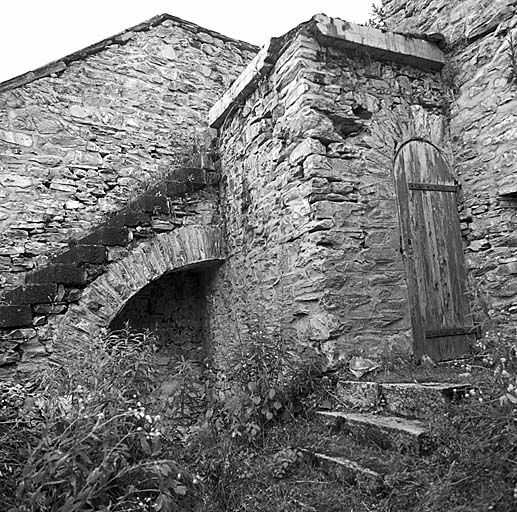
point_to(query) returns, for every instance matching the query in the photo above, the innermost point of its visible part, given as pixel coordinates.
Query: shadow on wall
(174, 308)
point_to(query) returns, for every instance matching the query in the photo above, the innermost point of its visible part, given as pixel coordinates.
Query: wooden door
(433, 253)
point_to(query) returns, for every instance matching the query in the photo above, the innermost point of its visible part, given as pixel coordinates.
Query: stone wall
(172, 226)
(82, 136)
(455, 19)
(483, 134)
(309, 200)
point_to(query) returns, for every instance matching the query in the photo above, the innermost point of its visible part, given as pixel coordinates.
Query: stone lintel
(379, 43)
(244, 84)
(330, 32)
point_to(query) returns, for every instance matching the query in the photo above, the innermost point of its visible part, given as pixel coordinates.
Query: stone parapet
(335, 32)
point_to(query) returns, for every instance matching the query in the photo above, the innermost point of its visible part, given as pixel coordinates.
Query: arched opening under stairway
(174, 309)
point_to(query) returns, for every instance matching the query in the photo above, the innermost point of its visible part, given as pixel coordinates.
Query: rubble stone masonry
(82, 136)
(482, 86)
(299, 226)
(309, 200)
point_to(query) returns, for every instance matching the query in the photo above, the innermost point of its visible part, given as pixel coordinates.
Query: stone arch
(407, 122)
(101, 301)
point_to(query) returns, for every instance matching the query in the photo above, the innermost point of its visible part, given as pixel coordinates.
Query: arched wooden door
(433, 253)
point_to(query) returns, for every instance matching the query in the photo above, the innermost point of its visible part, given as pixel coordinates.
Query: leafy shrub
(15, 435)
(98, 447)
(266, 372)
(188, 399)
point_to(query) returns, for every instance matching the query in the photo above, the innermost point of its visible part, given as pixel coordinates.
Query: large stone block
(83, 254)
(59, 273)
(32, 294)
(423, 400)
(318, 166)
(387, 432)
(151, 203)
(15, 316)
(131, 219)
(351, 472)
(176, 188)
(193, 177)
(359, 395)
(107, 235)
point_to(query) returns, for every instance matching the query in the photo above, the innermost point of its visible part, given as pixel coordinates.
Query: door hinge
(433, 187)
(453, 331)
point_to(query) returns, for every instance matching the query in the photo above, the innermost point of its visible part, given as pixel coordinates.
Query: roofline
(121, 38)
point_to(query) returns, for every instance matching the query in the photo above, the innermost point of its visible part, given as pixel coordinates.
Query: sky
(36, 32)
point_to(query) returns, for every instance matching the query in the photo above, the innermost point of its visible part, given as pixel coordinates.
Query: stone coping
(379, 43)
(121, 38)
(331, 32)
(245, 83)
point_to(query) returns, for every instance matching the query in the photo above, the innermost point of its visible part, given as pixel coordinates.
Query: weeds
(378, 17)
(265, 374)
(92, 444)
(87, 437)
(512, 59)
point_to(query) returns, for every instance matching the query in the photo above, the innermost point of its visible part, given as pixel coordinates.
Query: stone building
(352, 184)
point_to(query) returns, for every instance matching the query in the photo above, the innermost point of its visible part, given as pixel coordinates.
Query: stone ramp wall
(484, 138)
(309, 200)
(34, 316)
(83, 136)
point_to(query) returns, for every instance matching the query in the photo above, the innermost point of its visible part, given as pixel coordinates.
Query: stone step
(12, 316)
(349, 471)
(387, 432)
(109, 236)
(359, 395)
(411, 399)
(32, 294)
(58, 273)
(80, 254)
(421, 400)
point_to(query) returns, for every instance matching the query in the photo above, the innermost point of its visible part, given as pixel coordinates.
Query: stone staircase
(25, 311)
(376, 423)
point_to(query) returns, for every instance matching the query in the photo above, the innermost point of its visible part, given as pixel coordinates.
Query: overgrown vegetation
(266, 374)
(87, 437)
(512, 59)
(378, 17)
(84, 439)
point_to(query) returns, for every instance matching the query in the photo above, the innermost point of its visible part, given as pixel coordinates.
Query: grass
(473, 469)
